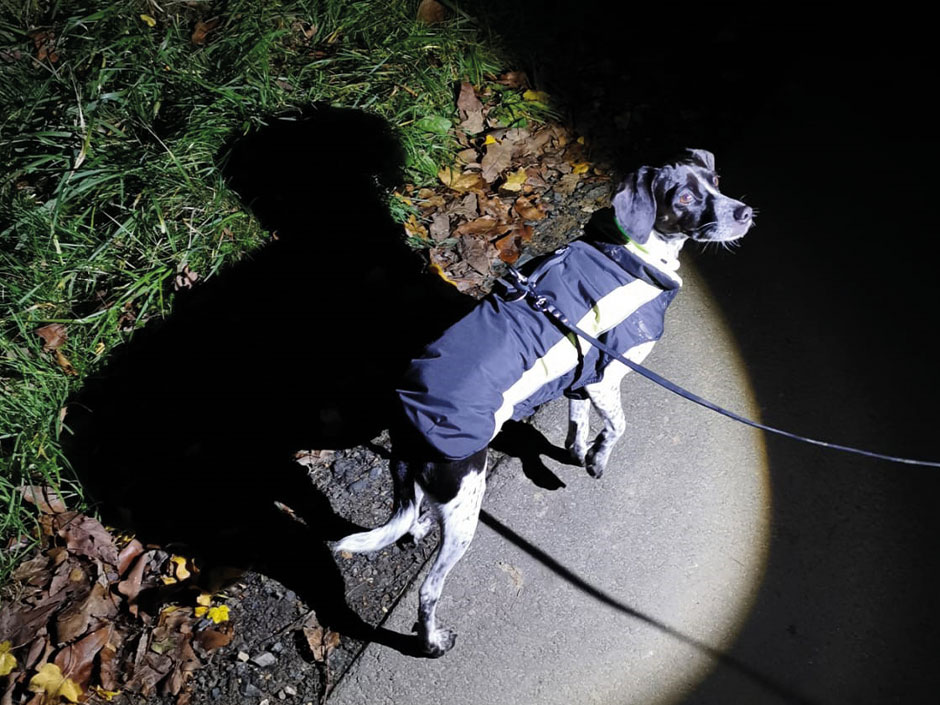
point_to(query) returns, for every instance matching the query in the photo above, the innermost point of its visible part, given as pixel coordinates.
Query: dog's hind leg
(605, 395)
(458, 518)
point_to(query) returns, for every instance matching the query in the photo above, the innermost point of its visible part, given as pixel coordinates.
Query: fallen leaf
(133, 549)
(436, 124)
(476, 252)
(567, 184)
(212, 639)
(513, 79)
(218, 614)
(77, 660)
(515, 181)
(50, 681)
(180, 572)
(44, 498)
(107, 695)
(580, 168)
(431, 12)
(87, 537)
(53, 335)
(64, 363)
(7, 660)
(321, 640)
(454, 179)
(415, 229)
(536, 96)
(527, 210)
(497, 159)
(471, 109)
(150, 21)
(201, 29)
(440, 227)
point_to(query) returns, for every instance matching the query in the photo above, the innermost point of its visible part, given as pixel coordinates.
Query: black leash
(540, 303)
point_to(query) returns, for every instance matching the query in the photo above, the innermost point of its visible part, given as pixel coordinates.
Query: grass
(111, 122)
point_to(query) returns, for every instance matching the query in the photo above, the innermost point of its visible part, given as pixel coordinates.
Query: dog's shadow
(524, 441)
(187, 436)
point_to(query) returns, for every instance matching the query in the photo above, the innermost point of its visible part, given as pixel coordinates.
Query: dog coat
(504, 358)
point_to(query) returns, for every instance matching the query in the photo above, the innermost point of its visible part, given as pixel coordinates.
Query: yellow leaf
(105, 694)
(490, 140)
(49, 680)
(415, 229)
(204, 599)
(168, 579)
(536, 96)
(151, 22)
(7, 660)
(580, 168)
(181, 572)
(218, 614)
(439, 271)
(516, 180)
(99, 348)
(201, 610)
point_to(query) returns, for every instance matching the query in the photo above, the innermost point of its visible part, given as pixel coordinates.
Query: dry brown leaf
(127, 555)
(527, 210)
(478, 253)
(431, 12)
(216, 638)
(77, 660)
(440, 227)
(320, 639)
(471, 110)
(202, 29)
(497, 159)
(567, 184)
(53, 336)
(44, 498)
(97, 605)
(508, 248)
(513, 79)
(86, 537)
(485, 225)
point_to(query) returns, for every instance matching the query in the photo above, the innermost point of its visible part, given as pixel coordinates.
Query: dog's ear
(700, 157)
(635, 204)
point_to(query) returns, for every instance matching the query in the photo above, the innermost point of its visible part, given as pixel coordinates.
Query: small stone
(242, 656)
(290, 690)
(250, 690)
(264, 659)
(282, 695)
(277, 647)
(359, 485)
(215, 693)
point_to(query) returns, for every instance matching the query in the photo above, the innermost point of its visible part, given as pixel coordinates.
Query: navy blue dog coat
(504, 358)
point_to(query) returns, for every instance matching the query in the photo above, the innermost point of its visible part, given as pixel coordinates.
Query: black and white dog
(504, 359)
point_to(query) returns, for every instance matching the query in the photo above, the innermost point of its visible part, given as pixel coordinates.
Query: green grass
(109, 184)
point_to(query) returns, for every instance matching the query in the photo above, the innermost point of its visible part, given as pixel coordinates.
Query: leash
(540, 303)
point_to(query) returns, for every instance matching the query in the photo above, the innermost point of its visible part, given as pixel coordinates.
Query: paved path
(618, 590)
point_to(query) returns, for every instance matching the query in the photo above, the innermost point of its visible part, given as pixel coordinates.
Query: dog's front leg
(605, 395)
(579, 411)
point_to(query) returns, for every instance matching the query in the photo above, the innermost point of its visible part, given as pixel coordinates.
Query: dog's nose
(743, 214)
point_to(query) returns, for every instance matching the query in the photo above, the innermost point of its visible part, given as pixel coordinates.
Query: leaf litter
(482, 213)
(95, 614)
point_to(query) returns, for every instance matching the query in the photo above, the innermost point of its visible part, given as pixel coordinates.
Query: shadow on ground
(188, 436)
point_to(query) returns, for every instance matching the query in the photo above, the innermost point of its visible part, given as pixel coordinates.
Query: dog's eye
(685, 199)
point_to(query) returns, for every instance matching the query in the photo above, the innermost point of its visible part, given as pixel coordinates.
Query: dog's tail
(407, 506)
(385, 535)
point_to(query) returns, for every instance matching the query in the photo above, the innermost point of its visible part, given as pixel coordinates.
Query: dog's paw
(594, 465)
(439, 642)
(578, 454)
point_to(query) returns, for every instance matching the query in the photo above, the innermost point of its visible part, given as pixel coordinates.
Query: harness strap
(524, 289)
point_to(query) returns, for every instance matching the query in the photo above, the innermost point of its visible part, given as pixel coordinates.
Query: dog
(504, 359)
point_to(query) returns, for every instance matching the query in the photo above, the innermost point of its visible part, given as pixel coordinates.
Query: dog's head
(680, 201)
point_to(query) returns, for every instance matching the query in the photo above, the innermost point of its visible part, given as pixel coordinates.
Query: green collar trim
(627, 238)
